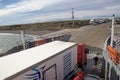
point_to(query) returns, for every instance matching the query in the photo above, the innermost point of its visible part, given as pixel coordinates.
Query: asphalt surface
(92, 35)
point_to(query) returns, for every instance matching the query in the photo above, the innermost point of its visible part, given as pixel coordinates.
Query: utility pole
(72, 17)
(112, 30)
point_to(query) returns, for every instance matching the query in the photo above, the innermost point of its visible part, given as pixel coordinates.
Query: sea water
(9, 40)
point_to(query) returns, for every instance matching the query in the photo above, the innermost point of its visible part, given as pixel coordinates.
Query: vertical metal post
(112, 30)
(106, 70)
(72, 18)
(110, 72)
(23, 40)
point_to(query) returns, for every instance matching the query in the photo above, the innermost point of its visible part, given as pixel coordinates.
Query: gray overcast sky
(30, 11)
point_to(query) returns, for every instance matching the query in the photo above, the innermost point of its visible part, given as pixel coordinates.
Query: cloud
(26, 6)
(30, 11)
(54, 16)
(67, 15)
(113, 7)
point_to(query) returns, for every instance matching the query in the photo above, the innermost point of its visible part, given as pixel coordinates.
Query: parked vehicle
(117, 21)
(50, 61)
(82, 55)
(97, 21)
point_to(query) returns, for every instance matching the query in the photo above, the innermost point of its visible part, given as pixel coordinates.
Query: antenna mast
(72, 17)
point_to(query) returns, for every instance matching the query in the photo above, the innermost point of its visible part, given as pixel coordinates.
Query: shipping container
(51, 61)
(40, 42)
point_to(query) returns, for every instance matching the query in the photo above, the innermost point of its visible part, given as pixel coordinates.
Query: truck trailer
(51, 61)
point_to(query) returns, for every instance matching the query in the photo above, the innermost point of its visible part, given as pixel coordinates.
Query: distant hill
(55, 25)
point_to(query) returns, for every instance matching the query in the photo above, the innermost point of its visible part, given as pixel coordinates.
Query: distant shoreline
(46, 26)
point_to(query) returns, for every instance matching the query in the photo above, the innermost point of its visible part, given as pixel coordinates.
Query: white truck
(51, 61)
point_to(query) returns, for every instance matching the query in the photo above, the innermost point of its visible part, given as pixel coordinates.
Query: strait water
(9, 40)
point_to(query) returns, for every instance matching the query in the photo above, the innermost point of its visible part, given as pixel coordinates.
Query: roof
(14, 63)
